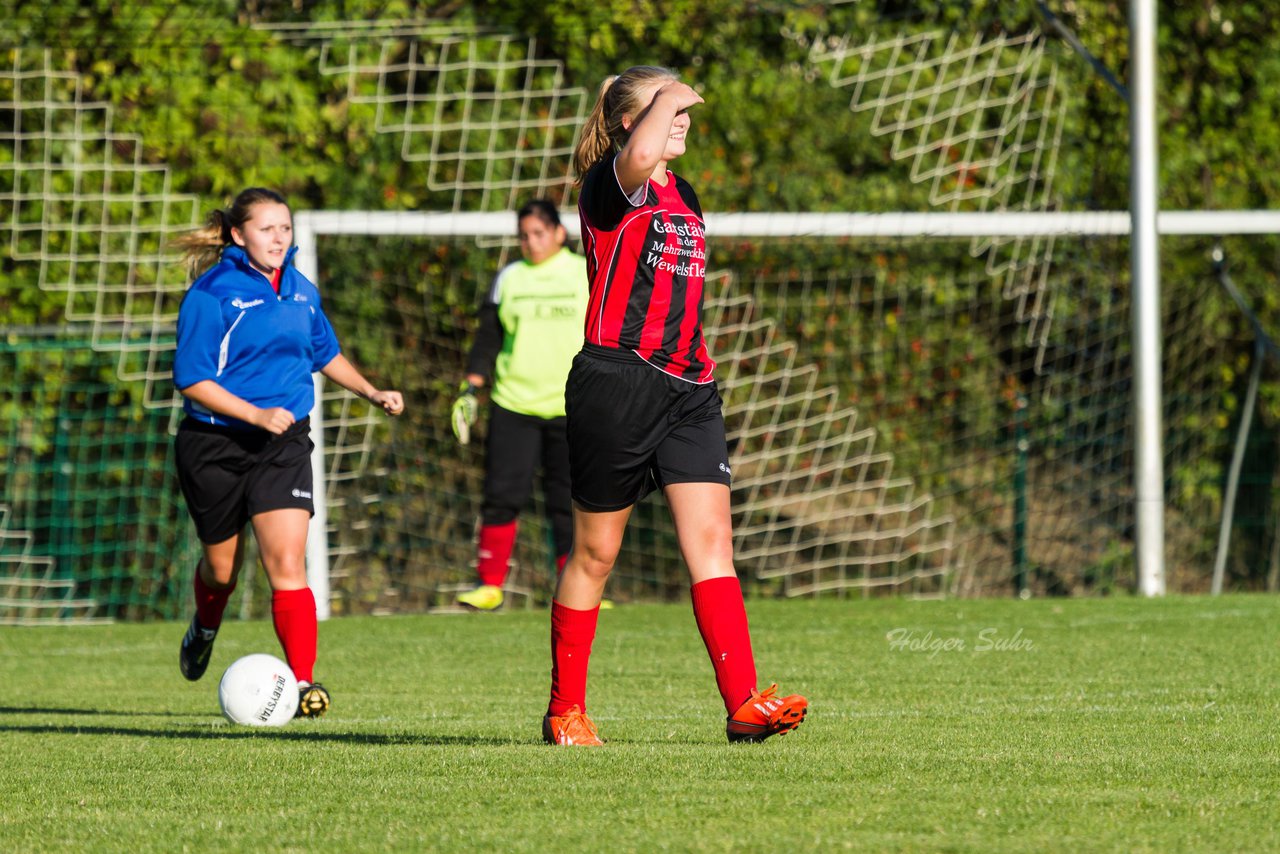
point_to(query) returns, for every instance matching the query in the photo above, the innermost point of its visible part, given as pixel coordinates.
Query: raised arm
(647, 145)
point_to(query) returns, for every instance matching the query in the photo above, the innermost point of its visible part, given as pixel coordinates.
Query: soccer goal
(925, 403)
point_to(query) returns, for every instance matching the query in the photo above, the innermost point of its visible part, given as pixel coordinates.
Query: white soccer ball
(258, 690)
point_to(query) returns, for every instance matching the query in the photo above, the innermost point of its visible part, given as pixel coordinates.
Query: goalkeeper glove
(465, 410)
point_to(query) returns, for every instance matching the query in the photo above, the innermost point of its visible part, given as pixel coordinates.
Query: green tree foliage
(227, 96)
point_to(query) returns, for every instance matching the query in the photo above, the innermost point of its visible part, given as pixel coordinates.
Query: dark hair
(619, 96)
(203, 247)
(543, 209)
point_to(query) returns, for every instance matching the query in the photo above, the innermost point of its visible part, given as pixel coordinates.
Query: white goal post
(309, 226)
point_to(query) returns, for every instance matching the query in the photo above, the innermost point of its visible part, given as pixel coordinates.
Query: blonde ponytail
(202, 248)
(619, 96)
(594, 143)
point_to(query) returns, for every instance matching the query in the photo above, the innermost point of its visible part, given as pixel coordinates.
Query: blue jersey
(234, 329)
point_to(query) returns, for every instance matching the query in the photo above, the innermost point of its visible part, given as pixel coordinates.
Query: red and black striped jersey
(646, 263)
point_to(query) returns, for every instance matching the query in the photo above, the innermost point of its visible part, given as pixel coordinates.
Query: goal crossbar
(836, 224)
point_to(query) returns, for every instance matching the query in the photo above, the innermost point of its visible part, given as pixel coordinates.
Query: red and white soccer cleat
(573, 728)
(765, 714)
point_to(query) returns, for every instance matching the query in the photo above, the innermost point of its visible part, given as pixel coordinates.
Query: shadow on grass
(52, 710)
(306, 733)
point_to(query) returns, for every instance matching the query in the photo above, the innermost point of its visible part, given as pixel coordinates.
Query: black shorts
(633, 428)
(229, 476)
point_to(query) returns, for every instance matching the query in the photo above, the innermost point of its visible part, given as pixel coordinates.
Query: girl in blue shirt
(251, 330)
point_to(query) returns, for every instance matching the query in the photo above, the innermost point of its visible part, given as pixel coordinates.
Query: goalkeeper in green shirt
(530, 328)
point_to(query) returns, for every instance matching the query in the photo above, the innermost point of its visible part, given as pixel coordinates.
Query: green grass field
(1100, 725)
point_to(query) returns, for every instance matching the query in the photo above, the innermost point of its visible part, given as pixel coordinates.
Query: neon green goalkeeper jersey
(542, 309)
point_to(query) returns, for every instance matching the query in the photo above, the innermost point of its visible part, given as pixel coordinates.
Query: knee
(594, 559)
(720, 544)
(218, 572)
(286, 570)
(715, 536)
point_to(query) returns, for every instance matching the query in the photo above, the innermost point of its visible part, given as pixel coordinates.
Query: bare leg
(215, 581)
(282, 542)
(220, 565)
(705, 533)
(703, 528)
(597, 538)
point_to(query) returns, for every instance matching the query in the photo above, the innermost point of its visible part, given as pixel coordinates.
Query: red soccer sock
(210, 602)
(572, 632)
(722, 620)
(294, 615)
(493, 552)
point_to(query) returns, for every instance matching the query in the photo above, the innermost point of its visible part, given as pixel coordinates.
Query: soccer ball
(258, 690)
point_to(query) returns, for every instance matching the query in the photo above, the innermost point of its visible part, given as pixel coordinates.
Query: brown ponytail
(202, 247)
(619, 96)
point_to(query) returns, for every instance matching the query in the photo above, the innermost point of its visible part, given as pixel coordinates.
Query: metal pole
(1145, 263)
(1021, 448)
(305, 260)
(1233, 474)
